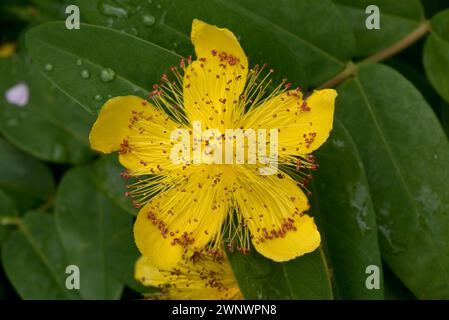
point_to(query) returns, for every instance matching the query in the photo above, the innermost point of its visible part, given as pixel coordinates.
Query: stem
(10, 221)
(351, 68)
(347, 72)
(47, 205)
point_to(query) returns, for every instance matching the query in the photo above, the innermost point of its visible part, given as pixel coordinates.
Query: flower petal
(203, 278)
(305, 239)
(304, 125)
(112, 125)
(146, 273)
(273, 209)
(151, 243)
(187, 216)
(139, 130)
(213, 83)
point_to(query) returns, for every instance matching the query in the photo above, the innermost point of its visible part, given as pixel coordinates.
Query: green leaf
(303, 278)
(23, 178)
(405, 153)
(397, 19)
(8, 214)
(436, 54)
(63, 127)
(346, 219)
(129, 65)
(34, 259)
(414, 74)
(145, 20)
(106, 175)
(394, 288)
(96, 234)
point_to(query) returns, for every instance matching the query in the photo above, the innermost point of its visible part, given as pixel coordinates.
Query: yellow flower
(7, 49)
(198, 277)
(190, 204)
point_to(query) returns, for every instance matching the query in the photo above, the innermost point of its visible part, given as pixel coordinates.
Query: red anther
(135, 204)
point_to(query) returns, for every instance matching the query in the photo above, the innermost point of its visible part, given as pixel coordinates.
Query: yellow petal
(139, 130)
(187, 216)
(273, 209)
(213, 83)
(304, 125)
(146, 273)
(305, 239)
(152, 244)
(112, 125)
(204, 278)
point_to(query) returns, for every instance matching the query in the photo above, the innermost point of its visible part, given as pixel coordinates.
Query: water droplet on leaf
(114, 11)
(49, 67)
(85, 74)
(98, 97)
(107, 75)
(148, 20)
(79, 62)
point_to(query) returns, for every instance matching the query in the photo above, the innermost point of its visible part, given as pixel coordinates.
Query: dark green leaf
(436, 54)
(343, 207)
(405, 153)
(397, 19)
(62, 127)
(416, 76)
(129, 65)
(394, 288)
(35, 261)
(96, 234)
(303, 278)
(26, 180)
